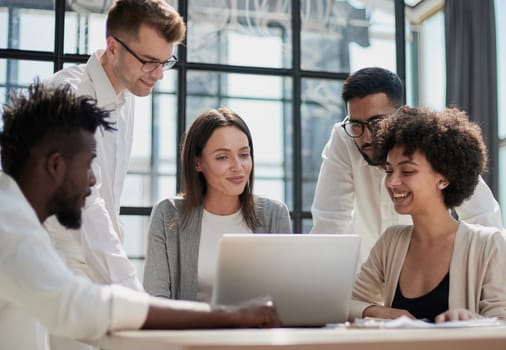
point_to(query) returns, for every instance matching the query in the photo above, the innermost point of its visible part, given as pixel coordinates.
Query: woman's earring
(442, 185)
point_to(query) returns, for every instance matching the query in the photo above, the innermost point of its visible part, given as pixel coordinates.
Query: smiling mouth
(399, 195)
(148, 83)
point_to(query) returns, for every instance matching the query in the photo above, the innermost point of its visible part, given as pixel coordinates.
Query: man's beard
(67, 209)
(70, 218)
(366, 157)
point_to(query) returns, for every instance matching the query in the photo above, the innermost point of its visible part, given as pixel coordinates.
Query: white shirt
(350, 196)
(213, 228)
(39, 293)
(96, 250)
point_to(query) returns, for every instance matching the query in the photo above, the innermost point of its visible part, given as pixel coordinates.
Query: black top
(427, 306)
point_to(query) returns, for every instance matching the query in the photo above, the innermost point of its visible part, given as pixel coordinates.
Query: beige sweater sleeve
(376, 282)
(477, 271)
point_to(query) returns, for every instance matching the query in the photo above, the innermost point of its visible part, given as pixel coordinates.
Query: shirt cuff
(357, 308)
(129, 308)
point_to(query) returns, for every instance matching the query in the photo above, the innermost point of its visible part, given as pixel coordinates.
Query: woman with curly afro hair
(438, 269)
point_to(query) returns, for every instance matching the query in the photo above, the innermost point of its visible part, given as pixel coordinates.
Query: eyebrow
(154, 59)
(371, 117)
(404, 162)
(151, 59)
(222, 149)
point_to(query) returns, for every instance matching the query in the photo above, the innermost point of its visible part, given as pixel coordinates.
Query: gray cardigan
(171, 264)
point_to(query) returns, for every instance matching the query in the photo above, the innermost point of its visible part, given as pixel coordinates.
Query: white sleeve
(481, 208)
(334, 194)
(98, 237)
(101, 245)
(36, 281)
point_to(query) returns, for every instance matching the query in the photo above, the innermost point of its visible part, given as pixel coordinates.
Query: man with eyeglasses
(141, 37)
(350, 196)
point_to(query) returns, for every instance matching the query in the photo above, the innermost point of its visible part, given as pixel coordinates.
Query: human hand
(386, 313)
(456, 315)
(258, 312)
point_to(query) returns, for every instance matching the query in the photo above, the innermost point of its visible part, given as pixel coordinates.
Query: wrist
(369, 311)
(224, 315)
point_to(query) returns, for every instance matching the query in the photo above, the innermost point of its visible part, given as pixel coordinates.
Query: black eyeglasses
(149, 66)
(356, 128)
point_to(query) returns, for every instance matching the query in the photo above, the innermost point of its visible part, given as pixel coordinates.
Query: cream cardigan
(477, 271)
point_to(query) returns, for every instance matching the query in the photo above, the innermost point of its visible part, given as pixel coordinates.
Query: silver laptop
(309, 276)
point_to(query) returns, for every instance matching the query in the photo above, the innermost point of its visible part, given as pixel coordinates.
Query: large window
(500, 12)
(280, 64)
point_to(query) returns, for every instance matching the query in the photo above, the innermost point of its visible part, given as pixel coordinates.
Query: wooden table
(482, 338)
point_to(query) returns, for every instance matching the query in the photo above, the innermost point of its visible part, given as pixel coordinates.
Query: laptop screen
(309, 276)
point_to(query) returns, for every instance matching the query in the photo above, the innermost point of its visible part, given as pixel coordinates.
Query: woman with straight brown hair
(217, 197)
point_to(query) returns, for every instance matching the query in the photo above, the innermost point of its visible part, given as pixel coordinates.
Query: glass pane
(165, 134)
(327, 29)
(343, 36)
(137, 190)
(145, 190)
(307, 225)
(500, 13)
(4, 21)
(412, 64)
(139, 267)
(502, 183)
(166, 186)
(3, 86)
(264, 103)
(135, 231)
(379, 49)
(84, 32)
(20, 24)
(134, 227)
(432, 53)
(21, 73)
(140, 160)
(321, 108)
(3, 99)
(154, 150)
(249, 33)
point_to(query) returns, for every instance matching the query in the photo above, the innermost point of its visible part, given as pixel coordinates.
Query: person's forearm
(378, 311)
(178, 314)
(163, 317)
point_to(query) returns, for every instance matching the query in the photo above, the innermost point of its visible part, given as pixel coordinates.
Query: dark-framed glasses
(356, 128)
(149, 66)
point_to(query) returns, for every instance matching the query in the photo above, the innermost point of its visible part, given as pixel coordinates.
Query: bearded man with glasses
(141, 38)
(350, 196)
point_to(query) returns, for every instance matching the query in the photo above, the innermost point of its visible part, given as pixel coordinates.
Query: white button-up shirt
(96, 250)
(350, 196)
(38, 292)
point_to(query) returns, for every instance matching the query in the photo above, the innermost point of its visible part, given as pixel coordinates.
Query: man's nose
(158, 73)
(368, 133)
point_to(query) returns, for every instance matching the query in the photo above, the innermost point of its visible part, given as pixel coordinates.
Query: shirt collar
(106, 95)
